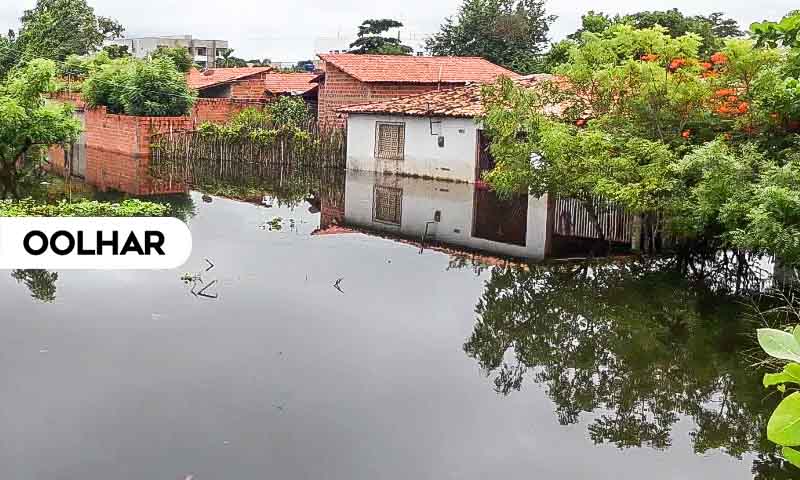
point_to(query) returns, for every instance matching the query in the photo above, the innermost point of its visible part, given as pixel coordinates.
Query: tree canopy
(28, 124)
(55, 29)
(178, 55)
(151, 87)
(371, 40)
(703, 147)
(511, 33)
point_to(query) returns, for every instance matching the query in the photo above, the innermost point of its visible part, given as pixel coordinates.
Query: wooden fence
(179, 154)
(573, 220)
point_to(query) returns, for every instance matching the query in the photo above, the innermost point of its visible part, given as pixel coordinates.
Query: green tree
(178, 55)
(9, 53)
(647, 124)
(511, 33)
(57, 28)
(711, 29)
(370, 38)
(288, 110)
(28, 124)
(130, 86)
(227, 60)
(116, 51)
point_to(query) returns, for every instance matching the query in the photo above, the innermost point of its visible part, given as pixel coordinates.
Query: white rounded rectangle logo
(94, 243)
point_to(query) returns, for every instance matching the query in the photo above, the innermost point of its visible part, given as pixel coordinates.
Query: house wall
(219, 110)
(250, 88)
(423, 156)
(456, 202)
(340, 89)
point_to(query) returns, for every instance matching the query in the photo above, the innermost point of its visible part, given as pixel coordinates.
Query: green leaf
(790, 374)
(779, 344)
(792, 456)
(783, 427)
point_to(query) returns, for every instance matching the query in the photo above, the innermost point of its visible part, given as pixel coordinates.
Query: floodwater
(291, 347)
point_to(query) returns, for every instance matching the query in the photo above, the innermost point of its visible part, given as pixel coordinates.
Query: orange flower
(725, 92)
(706, 65)
(719, 58)
(676, 64)
(686, 133)
(650, 57)
(743, 107)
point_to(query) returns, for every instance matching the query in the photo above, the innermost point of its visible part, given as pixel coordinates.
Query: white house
(452, 214)
(436, 134)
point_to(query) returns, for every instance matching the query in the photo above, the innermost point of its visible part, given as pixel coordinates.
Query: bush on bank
(83, 208)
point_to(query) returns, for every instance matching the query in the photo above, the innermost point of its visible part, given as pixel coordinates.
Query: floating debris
(337, 283)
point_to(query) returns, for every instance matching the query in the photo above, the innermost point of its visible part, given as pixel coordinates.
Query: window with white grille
(390, 140)
(388, 206)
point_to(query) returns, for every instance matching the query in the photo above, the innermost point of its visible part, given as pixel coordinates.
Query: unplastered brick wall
(340, 89)
(250, 88)
(73, 98)
(128, 134)
(220, 110)
(108, 170)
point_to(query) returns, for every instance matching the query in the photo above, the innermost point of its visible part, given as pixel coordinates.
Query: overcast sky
(285, 30)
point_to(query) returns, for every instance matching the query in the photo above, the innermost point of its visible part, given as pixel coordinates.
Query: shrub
(289, 111)
(129, 86)
(179, 56)
(83, 208)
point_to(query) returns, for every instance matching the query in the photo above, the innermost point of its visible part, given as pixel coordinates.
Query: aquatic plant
(783, 427)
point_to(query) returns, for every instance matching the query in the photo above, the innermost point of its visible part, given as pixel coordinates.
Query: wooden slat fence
(572, 220)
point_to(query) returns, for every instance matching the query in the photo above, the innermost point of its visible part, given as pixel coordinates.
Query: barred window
(388, 205)
(390, 139)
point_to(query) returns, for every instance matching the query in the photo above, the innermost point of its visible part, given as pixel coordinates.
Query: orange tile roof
(453, 102)
(296, 83)
(412, 69)
(217, 76)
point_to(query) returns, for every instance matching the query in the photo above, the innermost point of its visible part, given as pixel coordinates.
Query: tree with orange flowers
(695, 145)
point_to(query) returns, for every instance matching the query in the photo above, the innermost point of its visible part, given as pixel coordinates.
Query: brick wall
(118, 146)
(128, 134)
(220, 110)
(127, 173)
(250, 88)
(340, 89)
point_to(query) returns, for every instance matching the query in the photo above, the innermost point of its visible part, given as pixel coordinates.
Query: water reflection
(446, 213)
(41, 283)
(636, 347)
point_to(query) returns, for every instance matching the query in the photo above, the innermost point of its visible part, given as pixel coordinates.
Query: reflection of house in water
(468, 217)
(452, 214)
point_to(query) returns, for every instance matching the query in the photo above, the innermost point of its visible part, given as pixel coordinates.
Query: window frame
(402, 142)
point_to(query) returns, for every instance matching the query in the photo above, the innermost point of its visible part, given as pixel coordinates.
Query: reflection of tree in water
(634, 342)
(41, 283)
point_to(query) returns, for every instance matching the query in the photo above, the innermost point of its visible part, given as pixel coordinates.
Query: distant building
(350, 79)
(341, 43)
(204, 52)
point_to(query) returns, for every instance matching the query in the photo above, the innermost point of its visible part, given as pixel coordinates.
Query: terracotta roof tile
(217, 76)
(454, 102)
(412, 69)
(295, 83)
